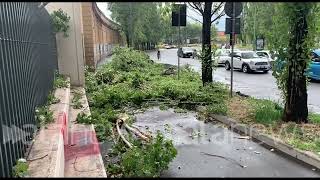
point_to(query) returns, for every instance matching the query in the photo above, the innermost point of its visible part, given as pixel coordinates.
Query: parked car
(313, 71)
(185, 52)
(167, 46)
(173, 46)
(248, 61)
(221, 56)
(314, 68)
(267, 54)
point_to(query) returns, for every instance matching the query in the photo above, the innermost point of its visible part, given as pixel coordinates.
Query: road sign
(232, 9)
(183, 15)
(260, 44)
(229, 26)
(228, 7)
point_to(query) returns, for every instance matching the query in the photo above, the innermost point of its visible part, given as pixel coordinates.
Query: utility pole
(179, 44)
(254, 29)
(232, 45)
(131, 26)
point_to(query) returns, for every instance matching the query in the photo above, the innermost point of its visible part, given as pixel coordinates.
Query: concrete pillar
(70, 49)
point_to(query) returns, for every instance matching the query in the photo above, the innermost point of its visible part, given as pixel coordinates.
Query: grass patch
(267, 115)
(314, 118)
(76, 103)
(266, 111)
(217, 109)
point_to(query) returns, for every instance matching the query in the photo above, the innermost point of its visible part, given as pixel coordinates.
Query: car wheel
(265, 71)
(227, 66)
(245, 68)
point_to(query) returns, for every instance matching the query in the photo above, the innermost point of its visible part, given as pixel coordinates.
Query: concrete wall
(71, 49)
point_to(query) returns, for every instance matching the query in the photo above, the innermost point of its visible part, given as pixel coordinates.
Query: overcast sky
(221, 25)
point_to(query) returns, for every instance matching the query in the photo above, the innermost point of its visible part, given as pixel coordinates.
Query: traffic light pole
(232, 46)
(179, 44)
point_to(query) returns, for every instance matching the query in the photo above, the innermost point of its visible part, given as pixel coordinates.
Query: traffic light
(183, 15)
(229, 26)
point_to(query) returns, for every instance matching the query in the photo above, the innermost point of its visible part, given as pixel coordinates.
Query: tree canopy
(150, 22)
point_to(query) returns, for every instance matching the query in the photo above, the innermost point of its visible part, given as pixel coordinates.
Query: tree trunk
(128, 39)
(206, 44)
(296, 108)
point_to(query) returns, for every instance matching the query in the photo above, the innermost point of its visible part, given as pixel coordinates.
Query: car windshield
(249, 55)
(187, 49)
(263, 54)
(315, 57)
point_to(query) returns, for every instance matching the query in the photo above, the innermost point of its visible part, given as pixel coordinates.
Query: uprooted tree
(207, 10)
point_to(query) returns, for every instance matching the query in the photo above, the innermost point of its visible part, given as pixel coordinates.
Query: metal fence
(28, 61)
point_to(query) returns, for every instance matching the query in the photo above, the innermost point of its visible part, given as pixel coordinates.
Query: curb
(62, 121)
(50, 141)
(306, 157)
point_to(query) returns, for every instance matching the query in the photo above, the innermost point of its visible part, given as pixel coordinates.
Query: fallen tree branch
(177, 102)
(226, 158)
(113, 136)
(136, 132)
(145, 134)
(121, 135)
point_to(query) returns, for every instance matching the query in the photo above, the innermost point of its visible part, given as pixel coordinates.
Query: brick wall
(100, 34)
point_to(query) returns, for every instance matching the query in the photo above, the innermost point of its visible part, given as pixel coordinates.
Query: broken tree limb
(113, 136)
(177, 102)
(145, 134)
(136, 132)
(226, 158)
(121, 135)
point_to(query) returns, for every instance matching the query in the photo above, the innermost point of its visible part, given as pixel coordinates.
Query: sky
(103, 6)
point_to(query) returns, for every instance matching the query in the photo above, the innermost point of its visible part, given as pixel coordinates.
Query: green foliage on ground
(314, 118)
(52, 99)
(60, 81)
(43, 116)
(266, 111)
(150, 160)
(20, 169)
(131, 81)
(76, 103)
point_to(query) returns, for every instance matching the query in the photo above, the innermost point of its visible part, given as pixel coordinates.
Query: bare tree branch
(194, 10)
(196, 6)
(194, 19)
(220, 15)
(216, 9)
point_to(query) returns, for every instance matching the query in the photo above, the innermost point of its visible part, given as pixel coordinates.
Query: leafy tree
(257, 18)
(293, 35)
(60, 20)
(207, 10)
(140, 22)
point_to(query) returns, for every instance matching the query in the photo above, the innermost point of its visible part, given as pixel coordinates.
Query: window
(249, 55)
(315, 57)
(263, 54)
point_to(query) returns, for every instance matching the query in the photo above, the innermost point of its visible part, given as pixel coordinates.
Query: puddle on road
(181, 128)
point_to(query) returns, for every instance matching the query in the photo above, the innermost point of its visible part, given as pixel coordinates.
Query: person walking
(158, 54)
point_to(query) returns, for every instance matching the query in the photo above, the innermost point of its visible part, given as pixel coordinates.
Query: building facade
(101, 34)
(92, 36)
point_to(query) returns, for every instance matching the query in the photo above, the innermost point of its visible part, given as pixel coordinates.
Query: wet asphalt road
(245, 157)
(259, 85)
